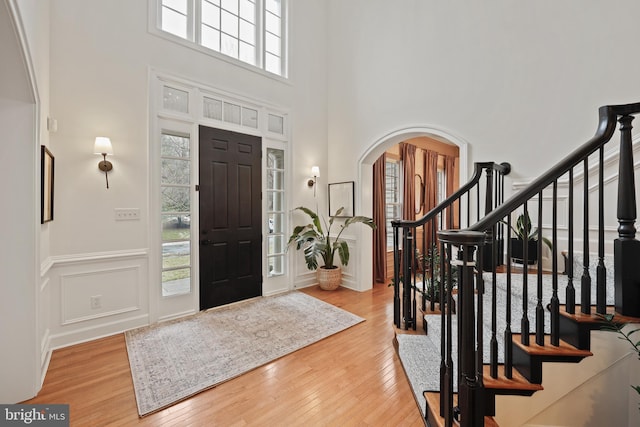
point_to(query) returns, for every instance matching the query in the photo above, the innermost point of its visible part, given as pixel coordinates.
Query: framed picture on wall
(46, 184)
(341, 195)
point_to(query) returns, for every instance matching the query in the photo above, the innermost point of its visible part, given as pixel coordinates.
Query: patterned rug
(174, 360)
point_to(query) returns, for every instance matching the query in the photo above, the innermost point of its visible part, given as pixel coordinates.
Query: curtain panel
(380, 219)
(408, 154)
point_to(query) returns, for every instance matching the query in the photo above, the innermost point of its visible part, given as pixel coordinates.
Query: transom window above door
(250, 31)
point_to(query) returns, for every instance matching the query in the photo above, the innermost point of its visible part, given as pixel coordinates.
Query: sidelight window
(176, 213)
(276, 243)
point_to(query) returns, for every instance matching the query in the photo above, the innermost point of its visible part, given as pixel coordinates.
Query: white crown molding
(98, 256)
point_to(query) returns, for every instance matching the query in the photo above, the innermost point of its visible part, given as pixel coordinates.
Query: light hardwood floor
(353, 378)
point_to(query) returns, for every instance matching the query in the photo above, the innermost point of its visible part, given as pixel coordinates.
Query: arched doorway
(364, 200)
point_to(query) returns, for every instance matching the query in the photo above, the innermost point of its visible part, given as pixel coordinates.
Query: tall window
(392, 196)
(251, 31)
(276, 243)
(442, 185)
(176, 214)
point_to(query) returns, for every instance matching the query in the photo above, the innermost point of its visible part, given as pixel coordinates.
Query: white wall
(99, 72)
(19, 368)
(520, 82)
(101, 57)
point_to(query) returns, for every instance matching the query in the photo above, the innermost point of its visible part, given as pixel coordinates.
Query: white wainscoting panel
(119, 280)
(115, 288)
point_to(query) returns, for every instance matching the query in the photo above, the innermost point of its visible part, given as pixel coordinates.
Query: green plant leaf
(343, 252)
(314, 217)
(316, 244)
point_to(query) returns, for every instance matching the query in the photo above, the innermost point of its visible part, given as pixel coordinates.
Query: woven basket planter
(329, 278)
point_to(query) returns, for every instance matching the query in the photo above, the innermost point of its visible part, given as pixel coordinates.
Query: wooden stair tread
(435, 420)
(517, 382)
(580, 317)
(562, 350)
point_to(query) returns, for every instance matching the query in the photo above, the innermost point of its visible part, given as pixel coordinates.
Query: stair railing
(477, 242)
(416, 257)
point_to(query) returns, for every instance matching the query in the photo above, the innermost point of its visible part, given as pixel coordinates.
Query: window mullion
(196, 20)
(260, 24)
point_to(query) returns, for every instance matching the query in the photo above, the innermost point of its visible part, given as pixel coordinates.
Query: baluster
(525, 285)
(469, 208)
(477, 202)
(412, 277)
(459, 202)
(480, 324)
(446, 362)
(601, 270)
(406, 274)
(539, 307)
(494, 308)
(501, 226)
(488, 264)
(422, 267)
(396, 279)
(508, 349)
(555, 302)
(431, 249)
(414, 286)
(570, 291)
(585, 284)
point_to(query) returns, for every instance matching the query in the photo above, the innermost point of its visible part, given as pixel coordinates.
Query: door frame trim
(170, 307)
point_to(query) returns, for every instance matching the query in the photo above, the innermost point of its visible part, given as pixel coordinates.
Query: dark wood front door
(230, 217)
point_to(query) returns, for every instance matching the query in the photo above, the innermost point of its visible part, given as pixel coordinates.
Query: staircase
(508, 324)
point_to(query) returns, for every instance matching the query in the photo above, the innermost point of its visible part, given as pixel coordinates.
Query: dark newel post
(469, 386)
(626, 248)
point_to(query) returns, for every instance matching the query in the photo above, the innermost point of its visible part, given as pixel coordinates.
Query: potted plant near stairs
(317, 244)
(525, 234)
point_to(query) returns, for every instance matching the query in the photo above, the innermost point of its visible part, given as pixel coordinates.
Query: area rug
(175, 360)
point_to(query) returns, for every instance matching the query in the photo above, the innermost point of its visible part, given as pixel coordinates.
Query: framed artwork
(46, 184)
(341, 195)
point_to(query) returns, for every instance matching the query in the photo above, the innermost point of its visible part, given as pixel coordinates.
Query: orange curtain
(430, 159)
(380, 219)
(408, 153)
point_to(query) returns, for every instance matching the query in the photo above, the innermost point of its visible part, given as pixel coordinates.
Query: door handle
(206, 242)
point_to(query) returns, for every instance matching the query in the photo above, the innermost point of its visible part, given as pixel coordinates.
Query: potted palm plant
(318, 245)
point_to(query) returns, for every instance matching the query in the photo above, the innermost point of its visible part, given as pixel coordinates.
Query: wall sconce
(103, 146)
(315, 171)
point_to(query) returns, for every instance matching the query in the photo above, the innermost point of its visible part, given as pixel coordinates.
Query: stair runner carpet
(420, 354)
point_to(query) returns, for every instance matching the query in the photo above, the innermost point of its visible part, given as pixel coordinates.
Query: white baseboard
(91, 333)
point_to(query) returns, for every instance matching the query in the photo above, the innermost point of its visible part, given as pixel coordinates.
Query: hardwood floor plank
(353, 378)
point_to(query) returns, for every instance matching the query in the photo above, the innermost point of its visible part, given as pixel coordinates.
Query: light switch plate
(127, 214)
